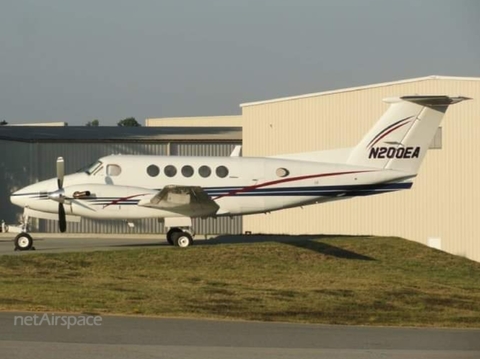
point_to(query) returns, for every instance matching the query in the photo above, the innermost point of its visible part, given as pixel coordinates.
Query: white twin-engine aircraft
(177, 189)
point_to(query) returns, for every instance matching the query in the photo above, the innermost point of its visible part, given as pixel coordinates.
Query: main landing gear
(180, 237)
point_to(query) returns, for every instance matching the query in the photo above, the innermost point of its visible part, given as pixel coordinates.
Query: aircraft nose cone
(24, 195)
(18, 198)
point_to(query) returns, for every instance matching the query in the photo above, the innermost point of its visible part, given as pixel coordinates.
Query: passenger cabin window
(113, 170)
(222, 171)
(153, 170)
(204, 171)
(282, 172)
(170, 171)
(187, 171)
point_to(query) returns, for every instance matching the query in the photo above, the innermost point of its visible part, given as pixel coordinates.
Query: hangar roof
(382, 84)
(118, 134)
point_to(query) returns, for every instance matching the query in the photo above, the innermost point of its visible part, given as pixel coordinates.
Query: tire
(182, 239)
(23, 242)
(170, 234)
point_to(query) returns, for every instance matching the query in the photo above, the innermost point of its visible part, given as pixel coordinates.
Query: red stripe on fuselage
(284, 180)
(123, 199)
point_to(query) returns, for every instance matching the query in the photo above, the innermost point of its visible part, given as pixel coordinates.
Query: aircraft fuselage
(239, 185)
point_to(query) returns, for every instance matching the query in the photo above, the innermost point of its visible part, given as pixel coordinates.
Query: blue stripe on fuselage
(328, 191)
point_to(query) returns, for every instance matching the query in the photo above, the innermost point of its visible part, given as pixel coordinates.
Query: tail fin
(400, 139)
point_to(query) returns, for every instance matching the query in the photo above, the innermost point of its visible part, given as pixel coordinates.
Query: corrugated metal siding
(199, 149)
(444, 201)
(79, 155)
(222, 225)
(26, 163)
(17, 169)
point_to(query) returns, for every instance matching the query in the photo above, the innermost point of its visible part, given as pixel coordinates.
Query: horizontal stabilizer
(434, 100)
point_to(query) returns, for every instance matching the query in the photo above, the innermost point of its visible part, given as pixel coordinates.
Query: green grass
(338, 280)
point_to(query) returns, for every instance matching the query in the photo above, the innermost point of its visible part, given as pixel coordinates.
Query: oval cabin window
(153, 170)
(205, 171)
(282, 172)
(222, 171)
(170, 171)
(187, 171)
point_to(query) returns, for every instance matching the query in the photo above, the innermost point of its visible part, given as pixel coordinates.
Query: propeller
(59, 195)
(60, 172)
(62, 218)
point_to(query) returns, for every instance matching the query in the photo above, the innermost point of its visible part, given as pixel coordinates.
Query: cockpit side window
(98, 171)
(113, 170)
(93, 168)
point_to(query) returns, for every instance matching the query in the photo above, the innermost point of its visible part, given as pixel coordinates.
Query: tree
(94, 123)
(129, 122)
(2, 123)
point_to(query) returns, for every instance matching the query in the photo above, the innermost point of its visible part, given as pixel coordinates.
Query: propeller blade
(60, 172)
(62, 218)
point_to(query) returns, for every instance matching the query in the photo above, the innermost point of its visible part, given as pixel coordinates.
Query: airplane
(176, 189)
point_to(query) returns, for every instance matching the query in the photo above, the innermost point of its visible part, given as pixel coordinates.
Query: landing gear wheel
(23, 242)
(182, 239)
(170, 235)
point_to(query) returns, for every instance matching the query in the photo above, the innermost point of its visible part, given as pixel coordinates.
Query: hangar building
(28, 155)
(443, 207)
(440, 210)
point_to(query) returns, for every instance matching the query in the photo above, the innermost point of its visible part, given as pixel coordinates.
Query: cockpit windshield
(93, 167)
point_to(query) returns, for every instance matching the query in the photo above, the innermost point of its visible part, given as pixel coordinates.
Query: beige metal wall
(445, 199)
(205, 121)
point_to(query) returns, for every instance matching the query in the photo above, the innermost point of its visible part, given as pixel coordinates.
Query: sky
(75, 61)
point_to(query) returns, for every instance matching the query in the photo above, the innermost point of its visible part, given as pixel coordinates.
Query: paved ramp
(133, 337)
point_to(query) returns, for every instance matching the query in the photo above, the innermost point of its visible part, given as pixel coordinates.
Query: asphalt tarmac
(81, 242)
(137, 337)
(59, 242)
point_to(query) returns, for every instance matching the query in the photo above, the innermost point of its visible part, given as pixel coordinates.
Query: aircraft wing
(188, 201)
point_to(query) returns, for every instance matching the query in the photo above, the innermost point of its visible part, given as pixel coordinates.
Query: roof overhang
(349, 89)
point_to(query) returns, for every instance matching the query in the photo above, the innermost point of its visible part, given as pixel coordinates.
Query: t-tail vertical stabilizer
(400, 139)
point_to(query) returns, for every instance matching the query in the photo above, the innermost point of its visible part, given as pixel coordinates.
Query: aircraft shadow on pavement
(301, 241)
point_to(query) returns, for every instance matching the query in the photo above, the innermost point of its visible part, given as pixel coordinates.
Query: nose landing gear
(24, 242)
